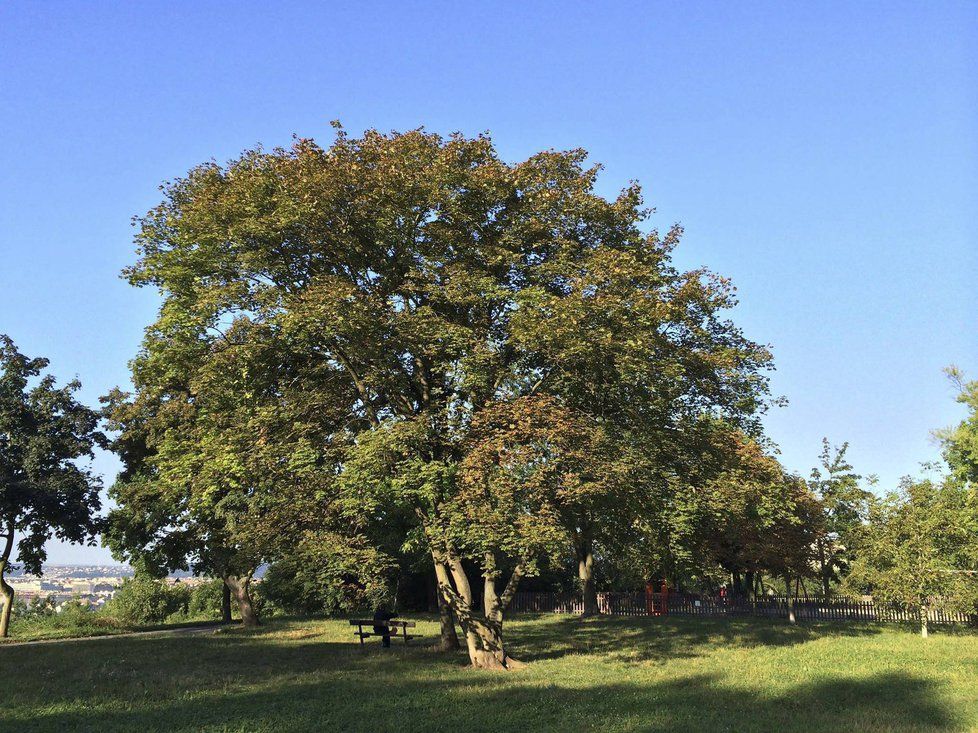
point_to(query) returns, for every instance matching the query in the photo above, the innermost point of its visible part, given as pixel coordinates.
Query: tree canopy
(917, 549)
(406, 324)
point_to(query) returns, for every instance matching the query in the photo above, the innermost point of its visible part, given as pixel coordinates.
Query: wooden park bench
(392, 627)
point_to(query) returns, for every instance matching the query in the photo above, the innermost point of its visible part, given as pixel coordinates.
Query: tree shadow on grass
(644, 639)
(478, 702)
(291, 681)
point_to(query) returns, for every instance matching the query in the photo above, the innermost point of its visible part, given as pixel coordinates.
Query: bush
(287, 588)
(143, 599)
(205, 599)
(38, 608)
(39, 620)
(264, 606)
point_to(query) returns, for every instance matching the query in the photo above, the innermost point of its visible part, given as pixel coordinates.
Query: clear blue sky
(824, 156)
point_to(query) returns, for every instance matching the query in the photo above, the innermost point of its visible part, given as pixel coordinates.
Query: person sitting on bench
(382, 614)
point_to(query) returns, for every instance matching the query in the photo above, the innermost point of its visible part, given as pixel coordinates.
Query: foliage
(143, 599)
(75, 620)
(733, 512)
(328, 575)
(961, 442)
(38, 608)
(45, 489)
(205, 599)
(844, 506)
(916, 549)
(529, 462)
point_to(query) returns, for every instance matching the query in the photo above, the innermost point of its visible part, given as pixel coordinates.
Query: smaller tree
(740, 510)
(44, 492)
(198, 464)
(529, 464)
(914, 550)
(844, 506)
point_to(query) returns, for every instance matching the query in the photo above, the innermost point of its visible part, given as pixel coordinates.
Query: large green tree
(415, 282)
(45, 489)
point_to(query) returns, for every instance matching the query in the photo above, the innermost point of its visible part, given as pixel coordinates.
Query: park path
(183, 630)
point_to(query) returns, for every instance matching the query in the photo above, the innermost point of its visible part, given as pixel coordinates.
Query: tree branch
(514, 580)
(8, 545)
(359, 384)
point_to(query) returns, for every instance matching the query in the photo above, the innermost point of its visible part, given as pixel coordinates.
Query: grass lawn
(644, 674)
(96, 624)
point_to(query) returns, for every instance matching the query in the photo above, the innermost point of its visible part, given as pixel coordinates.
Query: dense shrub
(205, 599)
(143, 599)
(38, 608)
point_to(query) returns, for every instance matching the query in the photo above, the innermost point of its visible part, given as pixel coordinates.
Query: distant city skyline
(823, 157)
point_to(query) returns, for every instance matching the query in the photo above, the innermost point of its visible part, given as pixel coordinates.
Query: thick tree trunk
(449, 637)
(492, 654)
(6, 592)
(923, 621)
(483, 636)
(225, 603)
(463, 610)
(240, 588)
(7, 596)
(585, 573)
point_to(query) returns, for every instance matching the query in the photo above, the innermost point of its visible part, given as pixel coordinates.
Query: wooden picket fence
(685, 604)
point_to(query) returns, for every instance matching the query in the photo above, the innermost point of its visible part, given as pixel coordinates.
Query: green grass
(83, 623)
(675, 674)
